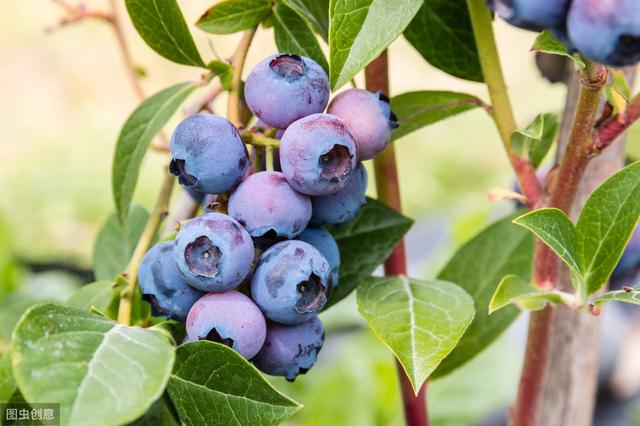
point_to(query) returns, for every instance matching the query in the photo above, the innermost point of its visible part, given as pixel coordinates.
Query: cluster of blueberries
(256, 277)
(607, 31)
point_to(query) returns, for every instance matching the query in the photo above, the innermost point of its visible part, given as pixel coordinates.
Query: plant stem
(239, 57)
(614, 126)
(388, 188)
(501, 105)
(160, 211)
(546, 264)
(257, 139)
(124, 49)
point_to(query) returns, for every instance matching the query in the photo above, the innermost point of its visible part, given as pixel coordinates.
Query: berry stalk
(239, 57)
(502, 112)
(160, 210)
(388, 189)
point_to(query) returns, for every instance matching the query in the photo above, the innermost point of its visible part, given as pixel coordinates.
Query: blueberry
(230, 318)
(214, 252)
(208, 154)
(318, 154)
(606, 32)
(163, 286)
(321, 239)
(290, 350)
(534, 15)
(266, 205)
(369, 117)
(344, 205)
(284, 88)
(291, 282)
(627, 269)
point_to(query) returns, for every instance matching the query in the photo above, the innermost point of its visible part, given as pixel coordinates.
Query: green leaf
(115, 243)
(174, 329)
(135, 136)
(627, 295)
(315, 12)
(514, 290)
(538, 150)
(211, 384)
(365, 243)
(441, 32)
(618, 92)
(224, 71)
(49, 286)
(161, 25)
(477, 267)
(293, 35)
(419, 109)
(231, 16)
(606, 224)
(99, 371)
(522, 139)
(359, 30)
(548, 43)
(7, 382)
(420, 321)
(556, 230)
(102, 295)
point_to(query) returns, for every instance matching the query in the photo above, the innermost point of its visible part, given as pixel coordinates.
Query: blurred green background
(63, 98)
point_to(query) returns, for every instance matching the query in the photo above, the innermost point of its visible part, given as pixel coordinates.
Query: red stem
(614, 126)
(388, 187)
(546, 264)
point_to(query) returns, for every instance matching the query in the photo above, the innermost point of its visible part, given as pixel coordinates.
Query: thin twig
(237, 63)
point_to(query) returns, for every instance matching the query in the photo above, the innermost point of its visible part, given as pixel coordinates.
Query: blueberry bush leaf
(293, 35)
(419, 109)
(100, 372)
(538, 149)
(606, 224)
(557, 231)
(420, 321)
(7, 382)
(230, 16)
(115, 242)
(161, 25)
(365, 243)
(441, 32)
(211, 384)
(478, 266)
(360, 30)
(136, 134)
(101, 295)
(514, 290)
(627, 295)
(548, 43)
(315, 12)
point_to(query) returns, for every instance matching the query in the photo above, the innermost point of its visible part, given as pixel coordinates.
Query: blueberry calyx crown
(335, 163)
(393, 118)
(288, 66)
(202, 257)
(177, 168)
(312, 295)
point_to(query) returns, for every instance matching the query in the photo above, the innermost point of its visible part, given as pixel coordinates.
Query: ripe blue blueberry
(230, 318)
(163, 286)
(214, 252)
(321, 239)
(369, 118)
(318, 154)
(291, 282)
(208, 154)
(284, 88)
(606, 31)
(266, 205)
(290, 350)
(533, 15)
(344, 205)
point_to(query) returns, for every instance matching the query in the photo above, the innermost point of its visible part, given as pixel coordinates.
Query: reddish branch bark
(614, 126)
(388, 187)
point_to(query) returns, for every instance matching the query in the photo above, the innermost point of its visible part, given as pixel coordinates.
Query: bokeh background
(63, 98)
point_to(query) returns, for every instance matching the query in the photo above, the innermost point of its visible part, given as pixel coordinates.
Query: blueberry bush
(199, 302)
